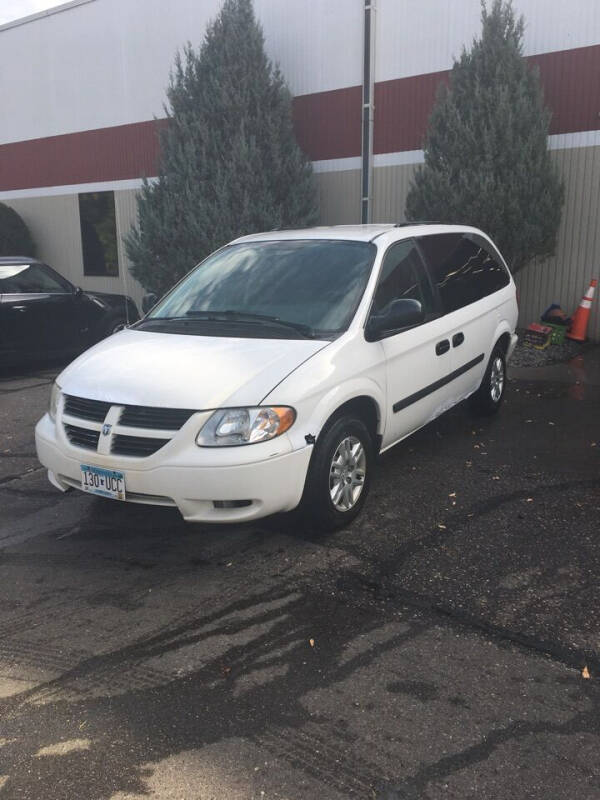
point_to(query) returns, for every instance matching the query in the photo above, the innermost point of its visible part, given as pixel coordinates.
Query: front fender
(312, 416)
(349, 368)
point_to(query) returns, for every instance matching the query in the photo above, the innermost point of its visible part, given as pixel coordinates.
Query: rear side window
(30, 279)
(463, 267)
(402, 277)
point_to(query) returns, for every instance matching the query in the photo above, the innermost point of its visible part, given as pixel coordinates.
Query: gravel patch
(524, 356)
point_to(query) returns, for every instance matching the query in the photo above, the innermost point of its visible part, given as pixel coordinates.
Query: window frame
(88, 271)
(437, 311)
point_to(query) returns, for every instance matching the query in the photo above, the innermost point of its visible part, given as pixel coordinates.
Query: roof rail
(417, 222)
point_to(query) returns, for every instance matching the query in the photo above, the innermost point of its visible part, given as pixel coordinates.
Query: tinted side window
(402, 276)
(494, 274)
(462, 268)
(30, 279)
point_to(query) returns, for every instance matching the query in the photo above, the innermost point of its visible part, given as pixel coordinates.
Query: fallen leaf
(495, 477)
(442, 527)
(585, 673)
(311, 642)
(529, 500)
(552, 423)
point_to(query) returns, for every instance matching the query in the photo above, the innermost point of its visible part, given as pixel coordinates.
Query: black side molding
(414, 398)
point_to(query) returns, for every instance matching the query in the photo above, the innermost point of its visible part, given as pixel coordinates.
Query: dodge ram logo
(106, 429)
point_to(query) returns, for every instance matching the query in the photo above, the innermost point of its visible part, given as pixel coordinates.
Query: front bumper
(272, 484)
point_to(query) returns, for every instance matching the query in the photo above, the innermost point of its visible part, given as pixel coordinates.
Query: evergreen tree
(486, 150)
(230, 163)
(15, 238)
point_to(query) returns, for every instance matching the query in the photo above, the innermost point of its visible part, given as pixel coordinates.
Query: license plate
(105, 482)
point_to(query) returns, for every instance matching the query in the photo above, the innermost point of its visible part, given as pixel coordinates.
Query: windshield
(305, 287)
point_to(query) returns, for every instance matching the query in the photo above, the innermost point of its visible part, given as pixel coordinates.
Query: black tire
(488, 398)
(317, 506)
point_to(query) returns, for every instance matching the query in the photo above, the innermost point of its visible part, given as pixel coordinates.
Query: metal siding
(107, 63)
(564, 278)
(390, 187)
(426, 36)
(339, 197)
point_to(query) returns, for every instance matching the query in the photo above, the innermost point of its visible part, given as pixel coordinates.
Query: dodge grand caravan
(275, 371)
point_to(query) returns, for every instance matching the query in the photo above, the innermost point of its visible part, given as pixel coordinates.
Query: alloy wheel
(347, 473)
(497, 379)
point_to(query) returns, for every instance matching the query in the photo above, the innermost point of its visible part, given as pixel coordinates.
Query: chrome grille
(94, 410)
(139, 446)
(82, 437)
(165, 419)
(151, 417)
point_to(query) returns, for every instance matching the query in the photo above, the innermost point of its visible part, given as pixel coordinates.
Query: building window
(98, 233)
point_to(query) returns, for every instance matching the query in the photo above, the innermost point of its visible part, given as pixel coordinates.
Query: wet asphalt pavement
(433, 650)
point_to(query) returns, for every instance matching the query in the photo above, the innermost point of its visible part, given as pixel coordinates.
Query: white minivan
(275, 371)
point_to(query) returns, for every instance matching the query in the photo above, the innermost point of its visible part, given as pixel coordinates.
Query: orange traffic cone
(578, 329)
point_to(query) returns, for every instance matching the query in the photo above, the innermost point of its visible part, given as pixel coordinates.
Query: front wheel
(339, 475)
(488, 398)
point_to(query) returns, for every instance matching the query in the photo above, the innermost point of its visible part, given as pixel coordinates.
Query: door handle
(442, 347)
(19, 308)
(458, 339)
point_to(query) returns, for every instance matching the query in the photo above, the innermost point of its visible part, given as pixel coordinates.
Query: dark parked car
(43, 315)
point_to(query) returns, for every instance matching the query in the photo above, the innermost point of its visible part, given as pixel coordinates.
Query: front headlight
(234, 426)
(54, 398)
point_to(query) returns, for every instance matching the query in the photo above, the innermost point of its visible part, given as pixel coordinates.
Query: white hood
(179, 371)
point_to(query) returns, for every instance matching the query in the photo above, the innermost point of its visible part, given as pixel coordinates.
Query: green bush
(229, 163)
(15, 239)
(487, 162)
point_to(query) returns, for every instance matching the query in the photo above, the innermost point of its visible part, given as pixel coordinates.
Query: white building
(82, 84)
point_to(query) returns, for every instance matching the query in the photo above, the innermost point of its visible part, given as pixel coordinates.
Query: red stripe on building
(328, 126)
(107, 154)
(571, 81)
(402, 108)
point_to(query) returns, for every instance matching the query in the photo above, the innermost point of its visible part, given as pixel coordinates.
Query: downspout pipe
(368, 109)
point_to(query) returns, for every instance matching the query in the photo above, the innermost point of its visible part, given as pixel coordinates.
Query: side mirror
(148, 302)
(77, 291)
(399, 314)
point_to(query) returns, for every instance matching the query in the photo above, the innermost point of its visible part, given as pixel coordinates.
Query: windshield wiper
(232, 316)
(243, 316)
